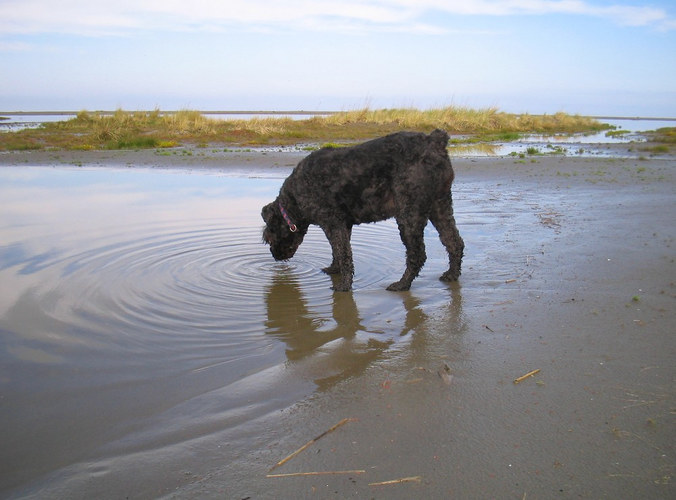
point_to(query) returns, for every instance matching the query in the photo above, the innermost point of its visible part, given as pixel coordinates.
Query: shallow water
(139, 311)
(582, 145)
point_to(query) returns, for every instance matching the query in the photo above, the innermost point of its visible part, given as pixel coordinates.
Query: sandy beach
(580, 284)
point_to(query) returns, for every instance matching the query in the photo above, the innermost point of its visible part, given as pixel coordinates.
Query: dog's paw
(450, 276)
(399, 286)
(331, 270)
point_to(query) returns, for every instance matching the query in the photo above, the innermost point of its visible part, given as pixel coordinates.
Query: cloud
(71, 17)
(14, 46)
(621, 14)
(105, 18)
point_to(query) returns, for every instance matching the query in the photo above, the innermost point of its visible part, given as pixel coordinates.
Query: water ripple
(206, 278)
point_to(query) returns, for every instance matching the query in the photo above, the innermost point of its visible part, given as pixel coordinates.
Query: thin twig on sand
(319, 473)
(527, 375)
(311, 442)
(411, 479)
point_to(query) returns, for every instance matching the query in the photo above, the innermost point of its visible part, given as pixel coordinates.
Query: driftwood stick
(411, 479)
(319, 473)
(311, 442)
(524, 377)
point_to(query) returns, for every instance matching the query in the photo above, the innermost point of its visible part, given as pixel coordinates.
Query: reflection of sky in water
(76, 199)
(159, 251)
(135, 180)
(52, 215)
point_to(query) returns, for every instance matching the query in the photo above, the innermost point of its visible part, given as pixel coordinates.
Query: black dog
(404, 175)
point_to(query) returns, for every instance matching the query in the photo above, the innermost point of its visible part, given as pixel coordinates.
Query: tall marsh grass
(462, 120)
(138, 129)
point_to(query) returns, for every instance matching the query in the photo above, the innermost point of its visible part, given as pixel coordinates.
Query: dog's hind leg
(411, 230)
(441, 216)
(339, 238)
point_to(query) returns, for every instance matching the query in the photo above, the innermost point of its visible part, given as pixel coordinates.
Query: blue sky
(607, 57)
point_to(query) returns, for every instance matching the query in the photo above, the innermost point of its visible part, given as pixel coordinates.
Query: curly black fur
(405, 175)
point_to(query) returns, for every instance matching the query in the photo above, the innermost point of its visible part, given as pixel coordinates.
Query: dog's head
(278, 232)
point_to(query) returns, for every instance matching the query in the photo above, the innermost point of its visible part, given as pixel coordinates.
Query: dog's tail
(439, 138)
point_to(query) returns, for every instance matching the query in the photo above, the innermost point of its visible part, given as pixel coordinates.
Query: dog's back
(406, 146)
(401, 157)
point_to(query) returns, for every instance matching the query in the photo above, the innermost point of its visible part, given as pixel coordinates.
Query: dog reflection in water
(327, 346)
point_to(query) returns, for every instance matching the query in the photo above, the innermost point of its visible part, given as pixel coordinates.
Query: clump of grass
(454, 119)
(187, 122)
(467, 120)
(617, 133)
(503, 136)
(556, 150)
(23, 146)
(660, 141)
(666, 135)
(659, 149)
(140, 142)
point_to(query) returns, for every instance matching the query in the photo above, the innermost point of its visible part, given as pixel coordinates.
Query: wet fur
(405, 175)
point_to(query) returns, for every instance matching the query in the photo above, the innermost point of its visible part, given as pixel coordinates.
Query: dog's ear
(439, 138)
(267, 213)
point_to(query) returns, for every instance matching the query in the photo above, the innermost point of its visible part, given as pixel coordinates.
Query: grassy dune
(142, 129)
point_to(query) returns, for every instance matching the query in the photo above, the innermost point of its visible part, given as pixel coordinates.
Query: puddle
(145, 307)
(599, 144)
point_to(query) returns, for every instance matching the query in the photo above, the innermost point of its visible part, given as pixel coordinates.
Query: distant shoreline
(170, 112)
(288, 112)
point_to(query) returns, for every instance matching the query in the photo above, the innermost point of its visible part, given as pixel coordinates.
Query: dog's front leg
(339, 238)
(333, 268)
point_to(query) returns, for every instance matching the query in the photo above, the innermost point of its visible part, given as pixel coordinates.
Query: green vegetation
(155, 129)
(659, 149)
(504, 136)
(617, 133)
(661, 141)
(555, 150)
(665, 136)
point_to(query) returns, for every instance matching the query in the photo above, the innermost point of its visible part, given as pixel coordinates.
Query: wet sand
(581, 285)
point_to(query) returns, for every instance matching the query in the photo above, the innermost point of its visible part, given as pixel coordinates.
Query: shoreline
(229, 157)
(279, 162)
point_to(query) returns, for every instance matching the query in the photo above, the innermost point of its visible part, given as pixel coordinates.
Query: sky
(595, 57)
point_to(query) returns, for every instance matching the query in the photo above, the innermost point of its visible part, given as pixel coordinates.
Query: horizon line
(288, 112)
